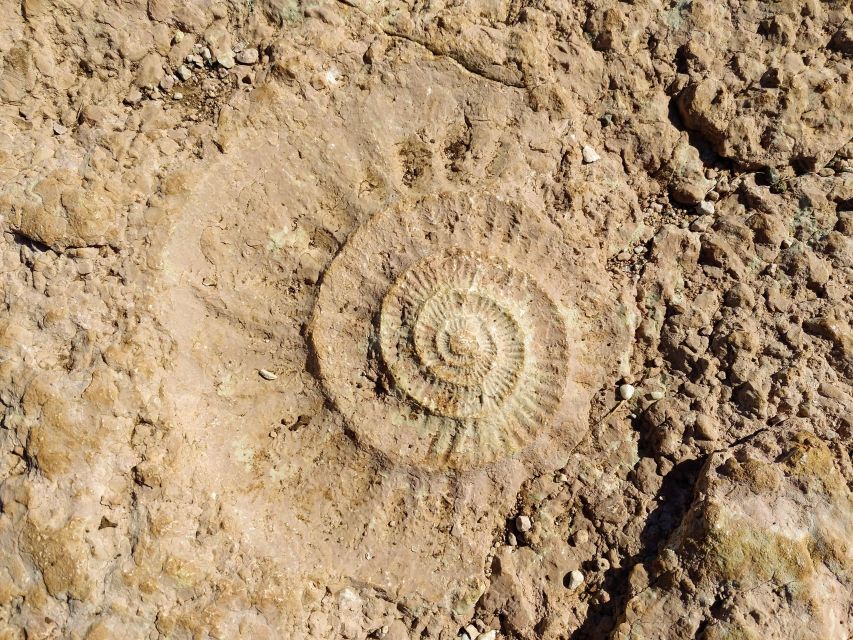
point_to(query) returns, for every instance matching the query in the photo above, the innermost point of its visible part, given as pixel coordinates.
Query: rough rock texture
(194, 192)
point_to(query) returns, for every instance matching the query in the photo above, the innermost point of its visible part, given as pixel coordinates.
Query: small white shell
(626, 391)
(267, 375)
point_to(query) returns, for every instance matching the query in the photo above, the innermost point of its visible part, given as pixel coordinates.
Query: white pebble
(590, 155)
(523, 523)
(657, 394)
(705, 208)
(626, 391)
(489, 635)
(575, 580)
(472, 631)
(267, 375)
(248, 56)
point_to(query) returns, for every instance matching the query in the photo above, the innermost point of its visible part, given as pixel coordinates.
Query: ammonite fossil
(445, 332)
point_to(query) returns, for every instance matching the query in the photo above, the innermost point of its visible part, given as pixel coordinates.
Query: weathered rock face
(317, 320)
(765, 534)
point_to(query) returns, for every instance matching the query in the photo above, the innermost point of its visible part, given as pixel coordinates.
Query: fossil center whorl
(452, 336)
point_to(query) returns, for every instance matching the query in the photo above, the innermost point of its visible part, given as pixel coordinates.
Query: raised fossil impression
(447, 335)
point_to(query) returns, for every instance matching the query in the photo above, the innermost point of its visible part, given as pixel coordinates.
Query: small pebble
(657, 394)
(248, 56)
(705, 208)
(590, 155)
(226, 60)
(177, 95)
(59, 128)
(626, 391)
(167, 83)
(267, 375)
(701, 224)
(472, 631)
(133, 97)
(184, 72)
(603, 564)
(523, 523)
(489, 635)
(580, 537)
(575, 580)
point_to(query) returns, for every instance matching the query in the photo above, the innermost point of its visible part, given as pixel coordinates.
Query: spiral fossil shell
(445, 335)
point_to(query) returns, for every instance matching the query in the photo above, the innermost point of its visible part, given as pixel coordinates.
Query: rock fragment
(590, 155)
(574, 580)
(705, 208)
(226, 60)
(248, 56)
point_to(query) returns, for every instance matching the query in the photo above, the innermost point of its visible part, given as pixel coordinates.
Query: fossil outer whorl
(457, 304)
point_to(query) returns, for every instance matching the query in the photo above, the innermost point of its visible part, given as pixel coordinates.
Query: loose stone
(705, 208)
(590, 155)
(133, 97)
(248, 56)
(523, 523)
(267, 375)
(226, 60)
(575, 580)
(184, 72)
(627, 391)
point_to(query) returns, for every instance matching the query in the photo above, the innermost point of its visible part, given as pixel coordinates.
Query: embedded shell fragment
(446, 333)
